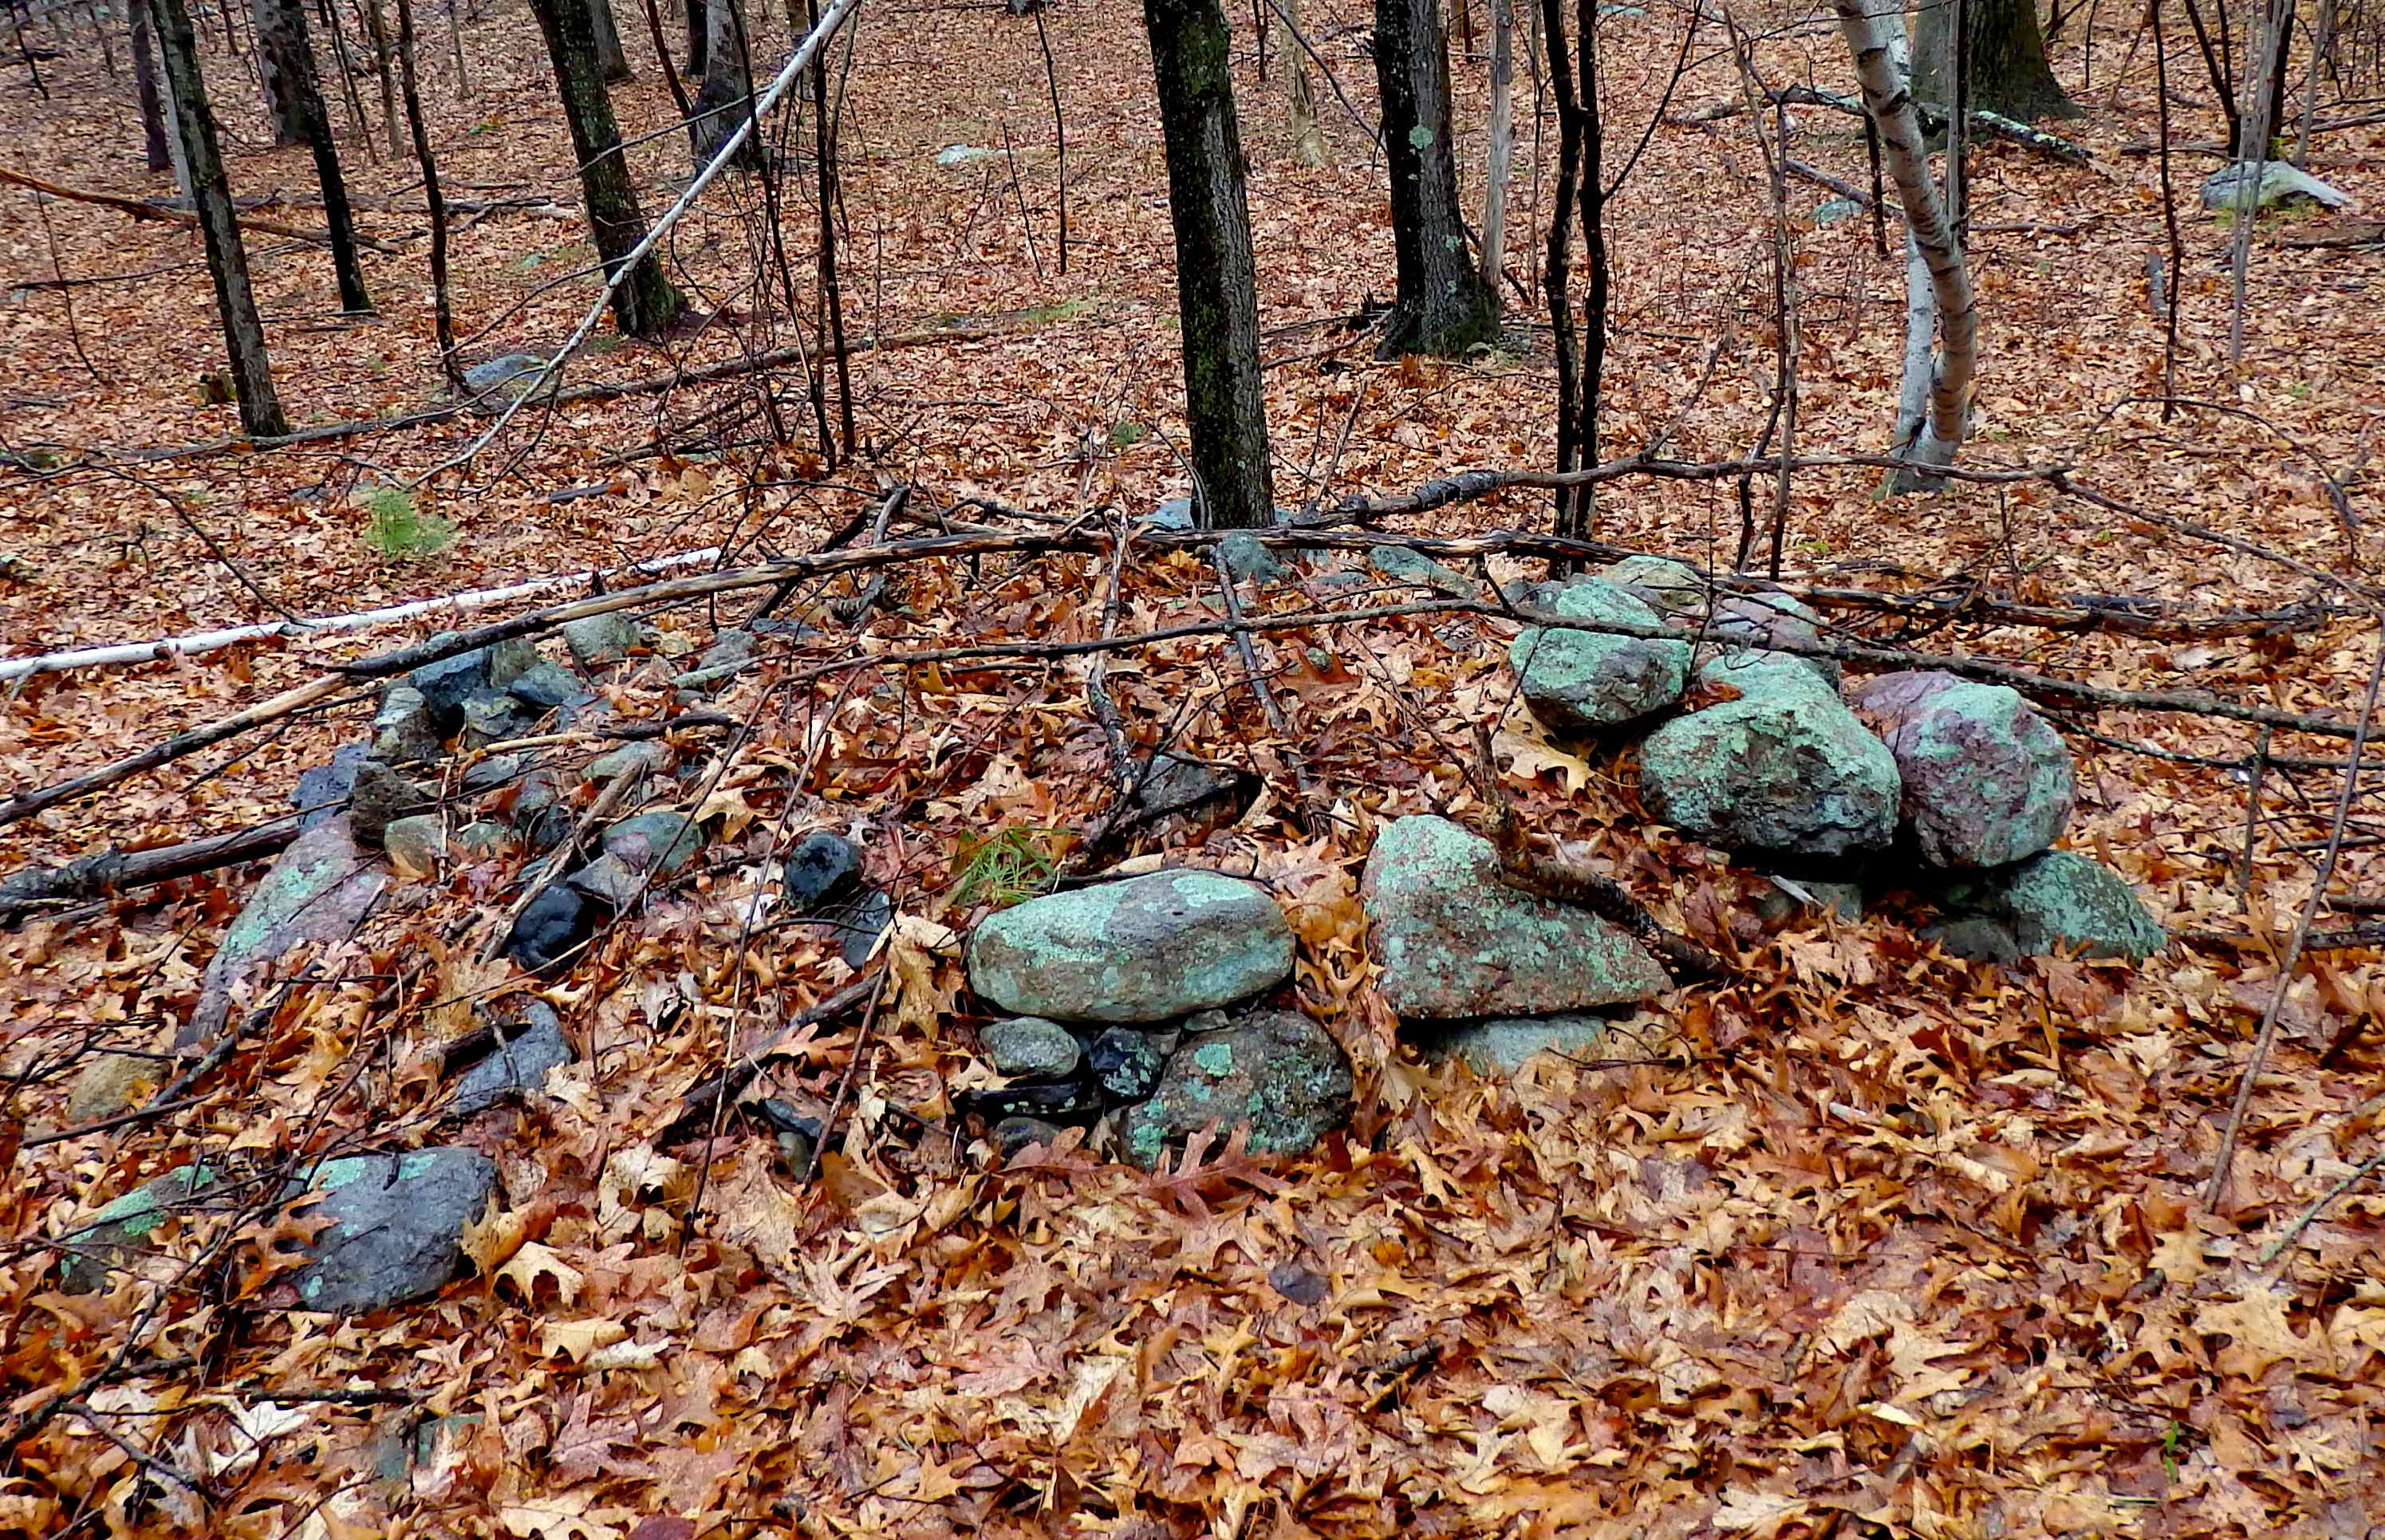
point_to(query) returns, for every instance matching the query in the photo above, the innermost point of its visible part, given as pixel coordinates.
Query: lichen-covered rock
(1670, 585)
(381, 797)
(659, 843)
(1126, 1062)
(649, 757)
(323, 789)
(1986, 781)
(2061, 900)
(1030, 1047)
(318, 892)
(1785, 769)
(397, 1225)
(543, 686)
(1275, 1073)
(598, 640)
(448, 683)
(403, 730)
(1248, 559)
(1763, 622)
(1402, 565)
(1452, 940)
(112, 1237)
(516, 1067)
(1588, 681)
(1144, 949)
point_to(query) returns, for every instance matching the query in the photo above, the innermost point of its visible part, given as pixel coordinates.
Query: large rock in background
(1582, 682)
(2281, 183)
(1453, 941)
(1144, 950)
(2064, 901)
(1986, 781)
(1785, 769)
(1761, 622)
(1670, 586)
(1276, 1074)
(318, 892)
(397, 1225)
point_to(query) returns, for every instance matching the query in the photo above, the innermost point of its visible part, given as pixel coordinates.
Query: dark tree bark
(1443, 307)
(144, 87)
(443, 315)
(722, 103)
(1217, 287)
(610, 56)
(644, 302)
(314, 128)
(277, 59)
(696, 27)
(194, 124)
(2005, 60)
(1581, 351)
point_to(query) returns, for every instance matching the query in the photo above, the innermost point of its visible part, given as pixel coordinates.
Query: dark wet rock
(1986, 780)
(1248, 559)
(598, 640)
(1785, 769)
(858, 922)
(2062, 901)
(1144, 949)
(491, 771)
(1064, 1100)
(485, 836)
(1453, 941)
(545, 686)
(119, 1234)
(318, 892)
(1974, 938)
(1126, 1064)
(1012, 1135)
(824, 869)
(403, 729)
(325, 788)
(1402, 565)
(416, 845)
(1583, 682)
(397, 1225)
(510, 659)
(1175, 782)
(448, 683)
(517, 1068)
(797, 1136)
(552, 932)
(1030, 1047)
(611, 881)
(380, 798)
(1275, 1073)
(661, 843)
(494, 717)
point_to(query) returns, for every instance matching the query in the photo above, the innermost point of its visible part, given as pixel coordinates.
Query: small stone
(610, 880)
(491, 771)
(1975, 938)
(112, 1238)
(1176, 514)
(823, 870)
(657, 842)
(517, 1066)
(380, 798)
(1762, 622)
(510, 659)
(2068, 901)
(545, 686)
(1174, 782)
(1986, 781)
(598, 640)
(1452, 940)
(325, 788)
(1836, 211)
(485, 836)
(1402, 565)
(1248, 559)
(112, 1083)
(1124, 1063)
(1012, 1135)
(403, 731)
(1275, 1073)
(397, 1225)
(503, 373)
(1670, 587)
(729, 647)
(858, 924)
(1030, 1047)
(448, 683)
(796, 630)
(1144, 950)
(651, 757)
(1501, 1045)
(415, 844)
(554, 930)
(494, 717)
(1584, 682)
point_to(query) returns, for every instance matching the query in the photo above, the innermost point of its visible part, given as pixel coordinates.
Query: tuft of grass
(1125, 433)
(1008, 866)
(397, 529)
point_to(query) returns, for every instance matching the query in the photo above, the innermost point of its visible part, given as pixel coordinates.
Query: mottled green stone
(1275, 1073)
(2068, 901)
(1144, 950)
(1587, 681)
(1785, 769)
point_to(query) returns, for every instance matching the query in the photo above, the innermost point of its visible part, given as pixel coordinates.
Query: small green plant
(398, 530)
(1005, 866)
(1125, 433)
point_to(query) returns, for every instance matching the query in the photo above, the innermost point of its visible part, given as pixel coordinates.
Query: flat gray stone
(448, 683)
(318, 892)
(502, 372)
(1248, 559)
(1501, 1045)
(1665, 585)
(1785, 769)
(659, 842)
(402, 729)
(1404, 565)
(545, 686)
(2281, 182)
(598, 640)
(1144, 949)
(515, 1069)
(1275, 1073)
(1584, 682)
(611, 880)
(1986, 780)
(1030, 1047)
(1452, 940)
(1174, 515)
(397, 1225)
(651, 757)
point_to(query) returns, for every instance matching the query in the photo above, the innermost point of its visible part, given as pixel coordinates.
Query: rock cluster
(1133, 1000)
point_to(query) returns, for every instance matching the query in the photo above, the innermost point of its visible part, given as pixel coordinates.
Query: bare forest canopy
(1047, 767)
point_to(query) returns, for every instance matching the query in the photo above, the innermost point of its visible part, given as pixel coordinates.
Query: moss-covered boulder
(1452, 940)
(1986, 781)
(1275, 1073)
(1584, 682)
(1670, 586)
(2061, 900)
(1783, 769)
(118, 1233)
(1146, 950)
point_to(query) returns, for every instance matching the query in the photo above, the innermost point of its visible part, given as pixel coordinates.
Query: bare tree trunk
(2004, 69)
(154, 138)
(699, 27)
(728, 86)
(1581, 351)
(1217, 288)
(456, 42)
(610, 60)
(1874, 33)
(260, 409)
(2322, 46)
(443, 315)
(357, 123)
(644, 302)
(277, 57)
(2265, 57)
(825, 137)
(1300, 103)
(377, 26)
(289, 19)
(1503, 141)
(1443, 308)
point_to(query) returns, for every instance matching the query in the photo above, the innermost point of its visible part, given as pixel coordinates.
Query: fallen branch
(111, 872)
(695, 1113)
(137, 209)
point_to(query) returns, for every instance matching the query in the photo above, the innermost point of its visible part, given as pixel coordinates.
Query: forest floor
(1877, 1238)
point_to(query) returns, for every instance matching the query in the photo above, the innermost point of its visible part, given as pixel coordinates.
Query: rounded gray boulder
(1144, 950)
(1986, 780)
(1588, 681)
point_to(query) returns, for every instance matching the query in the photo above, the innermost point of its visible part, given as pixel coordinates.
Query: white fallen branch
(120, 655)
